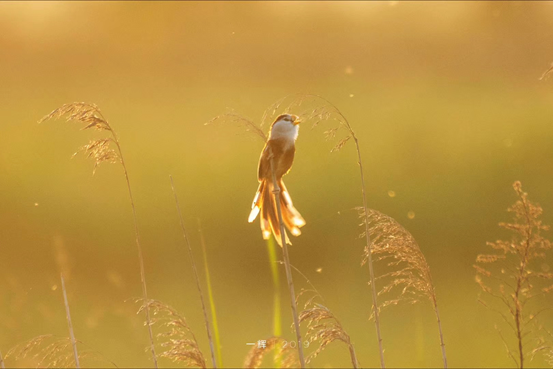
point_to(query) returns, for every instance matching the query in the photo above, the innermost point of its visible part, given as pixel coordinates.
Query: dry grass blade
(511, 276)
(284, 355)
(178, 341)
(100, 151)
(323, 327)
(408, 270)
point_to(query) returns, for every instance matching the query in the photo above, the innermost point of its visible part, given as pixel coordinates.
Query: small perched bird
(281, 145)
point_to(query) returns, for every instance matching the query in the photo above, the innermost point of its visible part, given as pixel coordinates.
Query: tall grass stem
(69, 323)
(196, 277)
(277, 318)
(216, 332)
(276, 191)
(139, 247)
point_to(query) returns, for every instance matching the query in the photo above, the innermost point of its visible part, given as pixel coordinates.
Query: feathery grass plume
(408, 270)
(512, 276)
(179, 341)
(101, 151)
(286, 354)
(69, 323)
(317, 109)
(231, 117)
(211, 298)
(49, 351)
(196, 277)
(323, 327)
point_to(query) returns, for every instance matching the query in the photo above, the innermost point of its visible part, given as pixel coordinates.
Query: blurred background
(445, 98)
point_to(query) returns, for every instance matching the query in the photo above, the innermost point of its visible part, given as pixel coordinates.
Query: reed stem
(276, 191)
(196, 277)
(277, 319)
(69, 323)
(367, 234)
(369, 253)
(139, 247)
(442, 344)
(211, 299)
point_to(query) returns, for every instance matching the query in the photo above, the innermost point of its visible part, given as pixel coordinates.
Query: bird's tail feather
(264, 204)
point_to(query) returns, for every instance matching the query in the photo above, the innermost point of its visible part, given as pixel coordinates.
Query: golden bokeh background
(446, 102)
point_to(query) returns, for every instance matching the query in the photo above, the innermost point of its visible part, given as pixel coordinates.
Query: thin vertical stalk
(69, 324)
(442, 344)
(2, 361)
(345, 122)
(276, 191)
(196, 277)
(139, 247)
(369, 253)
(211, 299)
(98, 150)
(277, 319)
(354, 361)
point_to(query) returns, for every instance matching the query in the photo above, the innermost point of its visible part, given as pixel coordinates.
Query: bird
(280, 147)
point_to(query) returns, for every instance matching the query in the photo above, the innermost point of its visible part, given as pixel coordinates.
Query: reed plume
(49, 351)
(101, 151)
(323, 327)
(409, 271)
(195, 270)
(512, 277)
(179, 341)
(285, 353)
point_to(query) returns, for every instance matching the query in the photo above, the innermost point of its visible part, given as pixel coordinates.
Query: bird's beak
(297, 121)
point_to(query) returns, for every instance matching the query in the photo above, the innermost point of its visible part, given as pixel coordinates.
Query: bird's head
(285, 126)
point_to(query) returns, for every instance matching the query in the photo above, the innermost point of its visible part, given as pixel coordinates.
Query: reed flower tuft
(515, 274)
(408, 271)
(285, 354)
(324, 328)
(179, 342)
(101, 151)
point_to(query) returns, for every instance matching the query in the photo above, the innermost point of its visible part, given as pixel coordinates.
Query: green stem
(211, 300)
